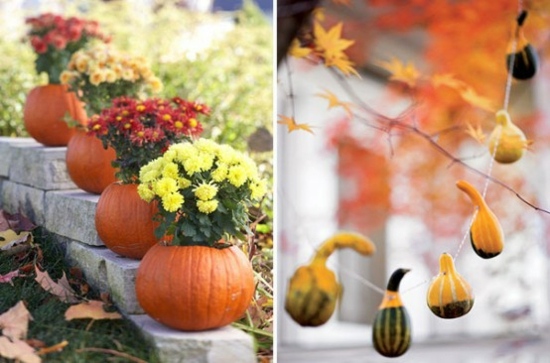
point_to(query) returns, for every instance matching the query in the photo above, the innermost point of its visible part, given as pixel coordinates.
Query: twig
(112, 352)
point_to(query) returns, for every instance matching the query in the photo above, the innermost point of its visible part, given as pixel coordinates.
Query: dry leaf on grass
(18, 349)
(10, 239)
(7, 278)
(15, 322)
(62, 289)
(16, 222)
(92, 309)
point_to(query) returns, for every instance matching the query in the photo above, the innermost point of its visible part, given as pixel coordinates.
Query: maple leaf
(8, 277)
(319, 13)
(330, 46)
(472, 97)
(343, 64)
(406, 73)
(333, 101)
(296, 49)
(18, 349)
(292, 125)
(447, 79)
(476, 133)
(62, 289)
(9, 239)
(92, 309)
(14, 323)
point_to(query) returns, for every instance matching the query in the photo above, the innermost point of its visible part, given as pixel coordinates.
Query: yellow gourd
(507, 142)
(486, 232)
(449, 295)
(313, 290)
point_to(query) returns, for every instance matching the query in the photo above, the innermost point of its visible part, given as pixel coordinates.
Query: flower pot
(89, 164)
(44, 113)
(194, 288)
(124, 222)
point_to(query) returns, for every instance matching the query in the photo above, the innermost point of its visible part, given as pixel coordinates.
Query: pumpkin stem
(472, 192)
(356, 241)
(395, 279)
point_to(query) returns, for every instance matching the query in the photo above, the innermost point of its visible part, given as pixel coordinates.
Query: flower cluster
(203, 190)
(140, 131)
(101, 73)
(55, 38)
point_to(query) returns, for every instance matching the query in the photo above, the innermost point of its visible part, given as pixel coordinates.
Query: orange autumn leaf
(400, 72)
(61, 288)
(92, 309)
(333, 101)
(330, 46)
(53, 348)
(476, 133)
(292, 125)
(14, 323)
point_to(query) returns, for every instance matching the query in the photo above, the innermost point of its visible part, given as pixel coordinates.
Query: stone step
(34, 181)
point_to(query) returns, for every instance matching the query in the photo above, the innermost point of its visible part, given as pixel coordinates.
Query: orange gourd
(44, 112)
(89, 164)
(486, 233)
(194, 288)
(449, 295)
(124, 222)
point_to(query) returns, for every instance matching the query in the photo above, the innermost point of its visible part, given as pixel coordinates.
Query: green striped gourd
(486, 232)
(507, 142)
(525, 57)
(449, 295)
(391, 331)
(313, 290)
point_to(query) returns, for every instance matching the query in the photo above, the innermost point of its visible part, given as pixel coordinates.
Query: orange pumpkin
(89, 164)
(44, 112)
(194, 287)
(124, 222)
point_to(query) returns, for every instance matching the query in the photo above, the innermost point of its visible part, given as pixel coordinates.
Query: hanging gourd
(313, 289)
(486, 232)
(449, 295)
(507, 142)
(523, 56)
(391, 330)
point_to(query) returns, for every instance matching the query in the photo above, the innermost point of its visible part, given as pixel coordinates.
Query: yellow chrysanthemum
(66, 77)
(172, 202)
(226, 154)
(128, 75)
(96, 77)
(207, 206)
(258, 189)
(148, 176)
(237, 175)
(145, 192)
(184, 183)
(110, 76)
(183, 151)
(170, 170)
(165, 186)
(206, 191)
(81, 63)
(220, 174)
(205, 161)
(192, 165)
(206, 145)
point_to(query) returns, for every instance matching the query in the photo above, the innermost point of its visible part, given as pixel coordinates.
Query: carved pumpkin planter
(89, 164)
(194, 288)
(44, 110)
(124, 222)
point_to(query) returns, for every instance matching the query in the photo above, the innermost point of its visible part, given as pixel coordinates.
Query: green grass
(49, 325)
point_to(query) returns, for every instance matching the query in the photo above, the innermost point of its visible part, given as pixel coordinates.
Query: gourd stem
(351, 240)
(472, 192)
(446, 264)
(395, 279)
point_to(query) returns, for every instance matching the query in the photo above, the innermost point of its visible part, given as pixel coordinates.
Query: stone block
(224, 345)
(6, 144)
(24, 199)
(40, 167)
(106, 271)
(71, 213)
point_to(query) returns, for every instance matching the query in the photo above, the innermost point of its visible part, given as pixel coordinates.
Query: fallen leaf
(62, 289)
(14, 323)
(18, 349)
(333, 101)
(406, 73)
(9, 238)
(92, 309)
(7, 278)
(292, 125)
(16, 222)
(476, 133)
